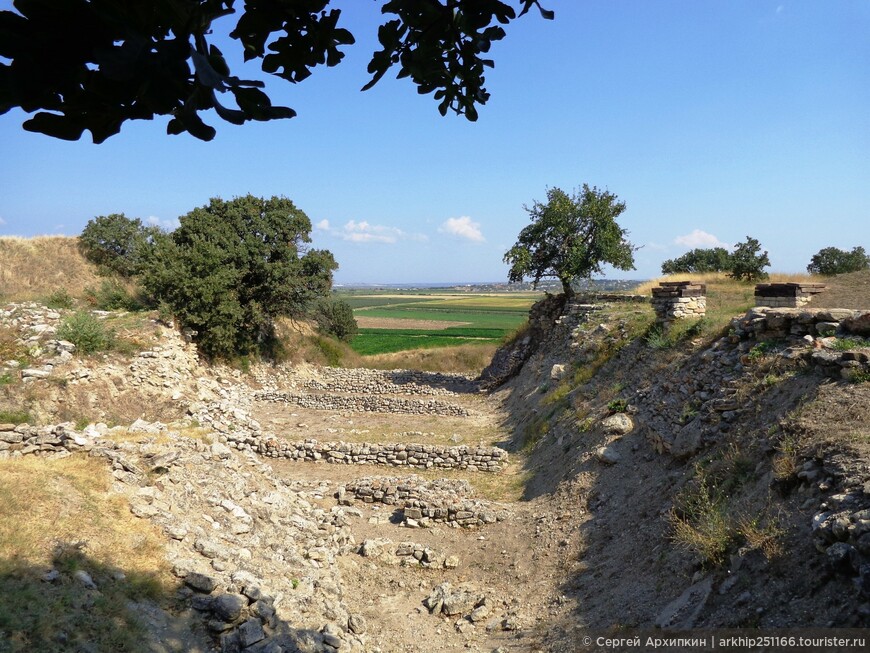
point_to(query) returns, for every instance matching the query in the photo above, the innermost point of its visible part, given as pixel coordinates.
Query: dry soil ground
(516, 563)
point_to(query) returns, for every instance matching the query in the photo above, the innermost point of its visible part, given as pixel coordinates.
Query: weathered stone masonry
(786, 295)
(420, 456)
(678, 300)
(366, 404)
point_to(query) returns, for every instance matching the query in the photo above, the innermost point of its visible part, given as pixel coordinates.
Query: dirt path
(517, 563)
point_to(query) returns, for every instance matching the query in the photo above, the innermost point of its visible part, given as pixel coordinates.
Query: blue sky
(712, 120)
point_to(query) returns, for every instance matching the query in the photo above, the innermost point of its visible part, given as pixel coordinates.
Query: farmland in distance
(392, 321)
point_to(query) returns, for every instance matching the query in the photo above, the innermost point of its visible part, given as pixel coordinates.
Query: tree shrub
(118, 244)
(747, 264)
(335, 318)
(571, 237)
(59, 299)
(233, 266)
(831, 260)
(716, 259)
(112, 296)
(86, 332)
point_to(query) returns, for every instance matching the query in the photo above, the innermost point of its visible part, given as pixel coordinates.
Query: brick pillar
(679, 300)
(786, 295)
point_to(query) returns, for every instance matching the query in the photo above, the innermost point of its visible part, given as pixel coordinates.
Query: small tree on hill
(716, 259)
(117, 244)
(832, 260)
(335, 317)
(747, 264)
(232, 267)
(571, 237)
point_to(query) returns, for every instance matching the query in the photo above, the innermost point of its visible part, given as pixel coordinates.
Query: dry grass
(722, 282)
(31, 268)
(50, 501)
(58, 514)
(467, 359)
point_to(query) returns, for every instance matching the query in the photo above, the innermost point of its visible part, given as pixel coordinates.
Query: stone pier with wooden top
(786, 295)
(679, 300)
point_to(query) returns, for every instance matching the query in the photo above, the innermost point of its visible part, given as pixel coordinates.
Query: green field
(485, 318)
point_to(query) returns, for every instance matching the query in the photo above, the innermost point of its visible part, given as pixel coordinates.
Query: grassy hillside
(31, 268)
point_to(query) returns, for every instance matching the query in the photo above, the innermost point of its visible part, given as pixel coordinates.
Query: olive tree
(571, 237)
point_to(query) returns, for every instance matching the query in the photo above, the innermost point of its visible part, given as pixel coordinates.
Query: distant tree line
(746, 262)
(831, 260)
(227, 272)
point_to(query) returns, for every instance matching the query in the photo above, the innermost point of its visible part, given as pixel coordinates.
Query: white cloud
(2, 221)
(366, 232)
(169, 225)
(656, 247)
(462, 227)
(699, 238)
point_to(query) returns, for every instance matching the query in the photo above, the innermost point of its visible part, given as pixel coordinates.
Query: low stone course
(379, 382)
(366, 404)
(421, 456)
(424, 502)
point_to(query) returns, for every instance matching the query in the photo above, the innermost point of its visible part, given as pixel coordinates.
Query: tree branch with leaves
(94, 64)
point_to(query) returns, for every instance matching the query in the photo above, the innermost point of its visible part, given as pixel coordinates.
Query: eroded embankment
(719, 483)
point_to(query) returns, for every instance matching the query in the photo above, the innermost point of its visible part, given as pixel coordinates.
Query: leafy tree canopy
(716, 259)
(571, 237)
(93, 64)
(117, 244)
(232, 267)
(335, 317)
(831, 260)
(748, 261)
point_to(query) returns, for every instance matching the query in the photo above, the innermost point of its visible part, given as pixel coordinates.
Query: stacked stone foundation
(424, 502)
(418, 456)
(679, 300)
(786, 295)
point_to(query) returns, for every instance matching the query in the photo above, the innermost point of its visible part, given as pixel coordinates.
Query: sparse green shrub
(617, 406)
(658, 338)
(859, 376)
(690, 412)
(330, 350)
(701, 523)
(5, 379)
(15, 416)
(59, 299)
(760, 350)
(334, 317)
(86, 332)
(112, 296)
(850, 343)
